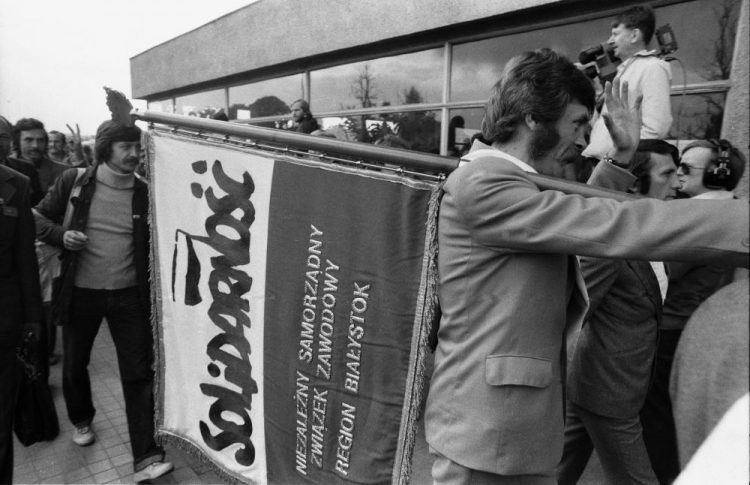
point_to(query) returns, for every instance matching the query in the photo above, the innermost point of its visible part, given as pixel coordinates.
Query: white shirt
(648, 75)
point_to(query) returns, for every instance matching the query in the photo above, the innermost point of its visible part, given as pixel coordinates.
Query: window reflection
(419, 130)
(460, 137)
(706, 52)
(387, 81)
(202, 105)
(697, 116)
(164, 106)
(266, 98)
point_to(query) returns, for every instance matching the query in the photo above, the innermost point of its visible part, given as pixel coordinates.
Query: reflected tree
(701, 117)
(420, 128)
(263, 106)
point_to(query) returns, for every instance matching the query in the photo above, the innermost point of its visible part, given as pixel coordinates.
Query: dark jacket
(51, 212)
(613, 362)
(20, 294)
(28, 169)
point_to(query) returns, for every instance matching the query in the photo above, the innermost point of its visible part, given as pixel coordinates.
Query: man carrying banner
(105, 275)
(510, 288)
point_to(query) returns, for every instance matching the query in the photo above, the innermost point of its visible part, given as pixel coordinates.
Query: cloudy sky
(55, 55)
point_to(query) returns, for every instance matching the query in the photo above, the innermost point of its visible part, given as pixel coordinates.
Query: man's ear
(637, 35)
(533, 124)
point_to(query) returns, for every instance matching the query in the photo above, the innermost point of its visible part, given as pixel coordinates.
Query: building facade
(423, 69)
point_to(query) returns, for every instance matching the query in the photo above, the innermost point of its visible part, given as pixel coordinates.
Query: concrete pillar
(736, 124)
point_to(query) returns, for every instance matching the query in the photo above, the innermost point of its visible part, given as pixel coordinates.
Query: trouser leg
(619, 445)
(130, 326)
(9, 373)
(87, 308)
(577, 450)
(51, 328)
(657, 418)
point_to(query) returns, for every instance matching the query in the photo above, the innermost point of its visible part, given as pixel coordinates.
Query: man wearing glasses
(709, 169)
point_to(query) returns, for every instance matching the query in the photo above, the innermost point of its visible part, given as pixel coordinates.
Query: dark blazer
(20, 294)
(612, 365)
(510, 290)
(27, 168)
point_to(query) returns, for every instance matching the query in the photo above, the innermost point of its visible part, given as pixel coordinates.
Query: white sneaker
(152, 471)
(84, 436)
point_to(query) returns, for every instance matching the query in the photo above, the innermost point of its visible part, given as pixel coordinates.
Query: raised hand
(622, 120)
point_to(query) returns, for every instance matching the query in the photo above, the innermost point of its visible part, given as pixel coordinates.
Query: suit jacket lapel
(6, 190)
(577, 306)
(644, 273)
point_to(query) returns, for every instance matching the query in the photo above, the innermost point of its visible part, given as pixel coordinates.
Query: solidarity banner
(293, 300)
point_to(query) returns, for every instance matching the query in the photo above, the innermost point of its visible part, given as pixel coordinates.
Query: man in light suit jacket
(613, 362)
(509, 284)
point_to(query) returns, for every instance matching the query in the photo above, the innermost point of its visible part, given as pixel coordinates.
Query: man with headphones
(709, 169)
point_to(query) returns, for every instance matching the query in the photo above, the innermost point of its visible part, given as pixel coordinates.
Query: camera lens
(590, 54)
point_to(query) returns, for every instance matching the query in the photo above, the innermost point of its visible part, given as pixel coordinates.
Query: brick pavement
(109, 459)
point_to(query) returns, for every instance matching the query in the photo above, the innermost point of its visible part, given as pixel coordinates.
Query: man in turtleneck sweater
(105, 275)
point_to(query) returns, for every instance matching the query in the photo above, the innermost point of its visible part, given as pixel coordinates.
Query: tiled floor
(109, 459)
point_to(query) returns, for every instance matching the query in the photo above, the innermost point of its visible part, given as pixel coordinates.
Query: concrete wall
(271, 32)
(736, 124)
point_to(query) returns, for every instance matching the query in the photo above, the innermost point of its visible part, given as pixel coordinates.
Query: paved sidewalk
(109, 459)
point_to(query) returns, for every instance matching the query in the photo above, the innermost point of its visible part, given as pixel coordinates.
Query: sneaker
(152, 471)
(84, 436)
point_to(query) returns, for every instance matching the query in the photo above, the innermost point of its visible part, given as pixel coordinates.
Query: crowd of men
(561, 315)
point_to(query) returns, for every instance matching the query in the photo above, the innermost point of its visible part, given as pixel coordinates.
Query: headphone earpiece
(716, 174)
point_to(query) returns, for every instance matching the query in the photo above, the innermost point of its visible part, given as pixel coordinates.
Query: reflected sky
(331, 89)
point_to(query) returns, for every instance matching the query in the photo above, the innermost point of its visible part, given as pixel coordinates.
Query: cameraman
(646, 75)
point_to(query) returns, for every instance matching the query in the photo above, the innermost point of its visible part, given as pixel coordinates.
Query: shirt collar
(716, 195)
(479, 149)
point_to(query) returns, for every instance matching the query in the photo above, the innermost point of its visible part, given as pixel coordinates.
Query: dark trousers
(9, 373)
(656, 415)
(131, 332)
(618, 442)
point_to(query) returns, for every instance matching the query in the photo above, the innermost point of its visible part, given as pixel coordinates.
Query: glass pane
(705, 32)
(164, 106)
(416, 130)
(265, 98)
(202, 105)
(697, 116)
(388, 81)
(463, 125)
(706, 52)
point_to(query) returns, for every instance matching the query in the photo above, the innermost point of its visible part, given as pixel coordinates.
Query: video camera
(600, 61)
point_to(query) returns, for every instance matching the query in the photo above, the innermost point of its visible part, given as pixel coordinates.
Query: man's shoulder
(56, 166)
(13, 177)
(19, 165)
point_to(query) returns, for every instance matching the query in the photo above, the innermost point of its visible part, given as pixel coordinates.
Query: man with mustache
(105, 275)
(509, 284)
(30, 140)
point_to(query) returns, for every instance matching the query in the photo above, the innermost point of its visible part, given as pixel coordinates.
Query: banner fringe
(193, 450)
(427, 304)
(156, 296)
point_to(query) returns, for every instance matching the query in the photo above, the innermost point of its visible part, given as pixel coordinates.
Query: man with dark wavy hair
(105, 275)
(30, 141)
(509, 285)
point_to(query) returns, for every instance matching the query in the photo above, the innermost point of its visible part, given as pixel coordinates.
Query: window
(265, 98)
(164, 106)
(387, 81)
(202, 105)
